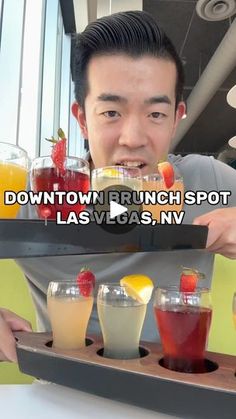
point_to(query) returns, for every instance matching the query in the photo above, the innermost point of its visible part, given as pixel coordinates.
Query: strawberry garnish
(189, 279)
(167, 172)
(59, 151)
(86, 281)
(45, 212)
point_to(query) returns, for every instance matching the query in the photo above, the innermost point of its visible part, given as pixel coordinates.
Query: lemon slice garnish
(111, 172)
(138, 286)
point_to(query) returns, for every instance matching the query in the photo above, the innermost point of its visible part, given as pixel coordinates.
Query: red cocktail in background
(183, 320)
(47, 178)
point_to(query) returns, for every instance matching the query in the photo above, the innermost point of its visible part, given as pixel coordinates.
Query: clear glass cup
(183, 320)
(69, 308)
(121, 319)
(46, 177)
(234, 309)
(108, 176)
(14, 164)
(154, 182)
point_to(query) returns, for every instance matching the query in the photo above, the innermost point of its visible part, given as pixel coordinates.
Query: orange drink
(13, 175)
(13, 178)
(154, 182)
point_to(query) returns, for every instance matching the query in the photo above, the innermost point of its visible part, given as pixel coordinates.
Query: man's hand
(222, 231)
(10, 322)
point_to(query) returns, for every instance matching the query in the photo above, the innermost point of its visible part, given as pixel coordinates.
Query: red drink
(184, 332)
(49, 179)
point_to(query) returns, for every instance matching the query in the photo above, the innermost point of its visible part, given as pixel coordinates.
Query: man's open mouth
(128, 163)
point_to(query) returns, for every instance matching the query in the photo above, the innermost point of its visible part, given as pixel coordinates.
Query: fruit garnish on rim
(59, 151)
(111, 172)
(86, 281)
(138, 286)
(189, 279)
(166, 170)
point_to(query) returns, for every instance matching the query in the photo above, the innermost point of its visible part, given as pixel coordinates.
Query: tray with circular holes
(142, 381)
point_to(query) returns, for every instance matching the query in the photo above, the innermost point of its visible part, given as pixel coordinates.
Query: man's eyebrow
(109, 97)
(158, 99)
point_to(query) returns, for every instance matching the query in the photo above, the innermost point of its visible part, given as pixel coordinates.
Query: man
(128, 89)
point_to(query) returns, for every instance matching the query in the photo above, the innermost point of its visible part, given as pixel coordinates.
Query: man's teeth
(131, 163)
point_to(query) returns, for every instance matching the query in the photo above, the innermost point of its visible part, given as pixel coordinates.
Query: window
(35, 76)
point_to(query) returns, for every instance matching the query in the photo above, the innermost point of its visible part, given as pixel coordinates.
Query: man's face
(130, 116)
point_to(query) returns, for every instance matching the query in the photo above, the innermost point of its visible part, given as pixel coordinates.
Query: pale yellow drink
(158, 185)
(13, 178)
(101, 183)
(69, 318)
(109, 176)
(121, 324)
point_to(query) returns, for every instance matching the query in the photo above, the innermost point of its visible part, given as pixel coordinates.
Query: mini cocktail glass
(108, 176)
(69, 308)
(14, 164)
(154, 182)
(183, 320)
(47, 178)
(121, 319)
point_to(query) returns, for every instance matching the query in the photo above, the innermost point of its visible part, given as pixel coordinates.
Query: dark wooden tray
(143, 382)
(31, 238)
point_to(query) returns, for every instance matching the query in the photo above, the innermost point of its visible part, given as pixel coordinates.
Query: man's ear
(181, 110)
(79, 115)
(179, 113)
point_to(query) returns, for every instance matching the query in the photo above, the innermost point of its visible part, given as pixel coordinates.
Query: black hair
(134, 33)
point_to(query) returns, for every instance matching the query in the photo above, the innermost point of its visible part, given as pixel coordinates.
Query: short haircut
(134, 33)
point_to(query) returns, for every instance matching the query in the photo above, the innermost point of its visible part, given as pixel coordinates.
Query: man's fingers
(214, 230)
(7, 341)
(10, 322)
(214, 234)
(202, 220)
(221, 225)
(3, 357)
(20, 324)
(16, 322)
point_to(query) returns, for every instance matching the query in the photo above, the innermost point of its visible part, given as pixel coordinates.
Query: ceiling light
(214, 10)
(231, 97)
(232, 142)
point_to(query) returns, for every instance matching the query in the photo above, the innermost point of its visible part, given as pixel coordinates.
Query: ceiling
(196, 40)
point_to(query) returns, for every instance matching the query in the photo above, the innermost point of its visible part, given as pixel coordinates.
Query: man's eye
(157, 115)
(111, 114)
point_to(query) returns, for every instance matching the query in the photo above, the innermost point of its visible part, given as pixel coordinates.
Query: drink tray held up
(142, 382)
(32, 238)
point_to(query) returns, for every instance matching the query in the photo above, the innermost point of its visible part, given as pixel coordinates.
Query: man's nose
(132, 133)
